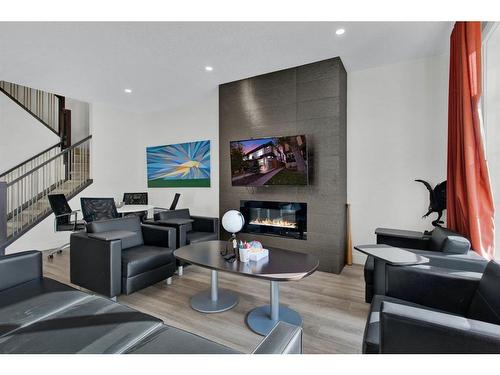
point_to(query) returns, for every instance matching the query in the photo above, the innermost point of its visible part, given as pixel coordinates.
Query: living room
(313, 186)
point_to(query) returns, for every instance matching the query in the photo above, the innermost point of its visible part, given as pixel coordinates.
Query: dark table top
(392, 255)
(281, 265)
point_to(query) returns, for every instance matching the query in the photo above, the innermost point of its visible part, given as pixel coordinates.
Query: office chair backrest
(94, 209)
(60, 206)
(175, 201)
(135, 198)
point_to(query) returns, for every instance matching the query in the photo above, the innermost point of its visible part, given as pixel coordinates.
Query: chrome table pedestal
(280, 266)
(262, 319)
(214, 300)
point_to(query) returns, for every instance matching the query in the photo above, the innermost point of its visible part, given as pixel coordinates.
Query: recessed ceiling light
(209, 68)
(340, 31)
(128, 91)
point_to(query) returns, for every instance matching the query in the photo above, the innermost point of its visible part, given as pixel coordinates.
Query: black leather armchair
(121, 256)
(432, 310)
(444, 248)
(189, 229)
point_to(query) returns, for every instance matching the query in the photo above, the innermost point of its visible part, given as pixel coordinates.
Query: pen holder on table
(244, 255)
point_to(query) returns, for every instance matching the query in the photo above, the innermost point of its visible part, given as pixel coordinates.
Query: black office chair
(173, 205)
(63, 219)
(175, 201)
(95, 209)
(135, 198)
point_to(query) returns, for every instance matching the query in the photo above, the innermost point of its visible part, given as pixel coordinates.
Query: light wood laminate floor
(332, 306)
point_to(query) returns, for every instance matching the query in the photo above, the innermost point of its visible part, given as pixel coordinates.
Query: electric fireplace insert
(285, 219)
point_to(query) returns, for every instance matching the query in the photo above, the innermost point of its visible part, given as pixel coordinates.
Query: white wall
(397, 131)
(397, 121)
(196, 122)
(119, 141)
(21, 136)
(492, 121)
(115, 163)
(79, 119)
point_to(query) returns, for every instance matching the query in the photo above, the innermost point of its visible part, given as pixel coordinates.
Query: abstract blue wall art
(179, 165)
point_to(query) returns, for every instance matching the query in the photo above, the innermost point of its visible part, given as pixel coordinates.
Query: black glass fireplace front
(285, 219)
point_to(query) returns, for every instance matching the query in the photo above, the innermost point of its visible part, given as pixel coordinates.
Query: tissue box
(258, 255)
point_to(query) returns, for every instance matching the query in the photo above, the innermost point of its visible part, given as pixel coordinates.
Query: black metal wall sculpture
(437, 201)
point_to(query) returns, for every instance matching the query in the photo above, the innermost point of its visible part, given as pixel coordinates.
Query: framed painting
(179, 165)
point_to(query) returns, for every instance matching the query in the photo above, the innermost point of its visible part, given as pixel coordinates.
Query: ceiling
(164, 62)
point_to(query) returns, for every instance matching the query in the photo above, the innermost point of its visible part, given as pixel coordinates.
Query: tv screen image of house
(269, 161)
(179, 165)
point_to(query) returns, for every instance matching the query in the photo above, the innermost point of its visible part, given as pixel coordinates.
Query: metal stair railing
(42, 105)
(31, 163)
(23, 200)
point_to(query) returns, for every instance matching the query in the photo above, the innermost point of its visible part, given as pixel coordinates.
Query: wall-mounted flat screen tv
(269, 161)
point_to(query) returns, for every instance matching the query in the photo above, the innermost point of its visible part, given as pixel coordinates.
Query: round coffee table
(280, 266)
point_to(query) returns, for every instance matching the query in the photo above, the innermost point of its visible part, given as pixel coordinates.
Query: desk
(131, 208)
(386, 254)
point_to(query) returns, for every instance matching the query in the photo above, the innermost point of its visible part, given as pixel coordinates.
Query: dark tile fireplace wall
(309, 99)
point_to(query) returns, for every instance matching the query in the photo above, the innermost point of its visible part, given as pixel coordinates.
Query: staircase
(43, 106)
(62, 168)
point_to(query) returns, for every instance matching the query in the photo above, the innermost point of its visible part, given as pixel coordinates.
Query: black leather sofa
(189, 229)
(430, 310)
(444, 248)
(39, 315)
(121, 256)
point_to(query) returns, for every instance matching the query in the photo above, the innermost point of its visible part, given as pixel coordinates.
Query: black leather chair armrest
(75, 212)
(402, 238)
(410, 234)
(471, 261)
(439, 288)
(205, 224)
(156, 235)
(284, 338)
(20, 268)
(95, 264)
(181, 226)
(73, 215)
(182, 235)
(174, 222)
(111, 235)
(411, 330)
(149, 222)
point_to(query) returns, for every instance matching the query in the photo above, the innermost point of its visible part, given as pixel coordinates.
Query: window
(491, 114)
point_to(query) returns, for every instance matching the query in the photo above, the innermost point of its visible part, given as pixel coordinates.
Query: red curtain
(469, 199)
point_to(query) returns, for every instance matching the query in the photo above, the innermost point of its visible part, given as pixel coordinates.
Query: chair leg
(180, 270)
(59, 250)
(169, 280)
